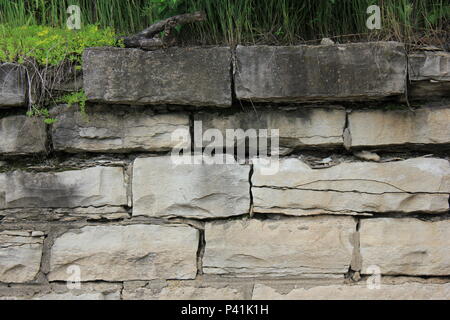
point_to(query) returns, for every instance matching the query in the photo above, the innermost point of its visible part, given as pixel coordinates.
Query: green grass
(247, 21)
(50, 45)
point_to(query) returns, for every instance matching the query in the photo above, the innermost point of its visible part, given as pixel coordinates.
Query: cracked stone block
(13, 85)
(162, 188)
(406, 291)
(429, 74)
(22, 135)
(406, 246)
(356, 72)
(319, 247)
(125, 253)
(97, 186)
(354, 188)
(400, 128)
(309, 127)
(20, 255)
(182, 76)
(184, 290)
(118, 130)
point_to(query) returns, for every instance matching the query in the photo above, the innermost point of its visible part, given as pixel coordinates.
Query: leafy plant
(78, 98)
(36, 111)
(51, 46)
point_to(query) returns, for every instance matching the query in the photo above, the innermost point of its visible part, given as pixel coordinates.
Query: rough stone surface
(20, 255)
(185, 290)
(351, 188)
(121, 253)
(406, 246)
(357, 71)
(315, 247)
(300, 128)
(97, 186)
(120, 130)
(93, 292)
(427, 126)
(408, 291)
(186, 76)
(22, 135)
(164, 189)
(3, 185)
(57, 291)
(429, 73)
(429, 65)
(13, 85)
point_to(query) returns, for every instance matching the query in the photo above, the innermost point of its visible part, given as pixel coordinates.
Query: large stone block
(400, 128)
(313, 127)
(13, 85)
(20, 255)
(429, 73)
(162, 188)
(97, 186)
(22, 135)
(120, 253)
(406, 246)
(352, 188)
(186, 76)
(407, 291)
(357, 71)
(309, 247)
(116, 130)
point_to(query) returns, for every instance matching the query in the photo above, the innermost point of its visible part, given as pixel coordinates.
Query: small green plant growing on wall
(36, 111)
(77, 98)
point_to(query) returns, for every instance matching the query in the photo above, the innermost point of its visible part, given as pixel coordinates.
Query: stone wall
(363, 183)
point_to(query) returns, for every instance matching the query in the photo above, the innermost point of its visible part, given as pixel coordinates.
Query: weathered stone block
(310, 247)
(186, 76)
(400, 128)
(21, 135)
(429, 65)
(88, 291)
(301, 128)
(429, 73)
(97, 186)
(133, 252)
(13, 85)
(352, 188)
(184, 290)
(357, 71)
(406, 246)
(60, 291)
(20, 255)
(407, 291)
(162, 188)
(116, 130)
